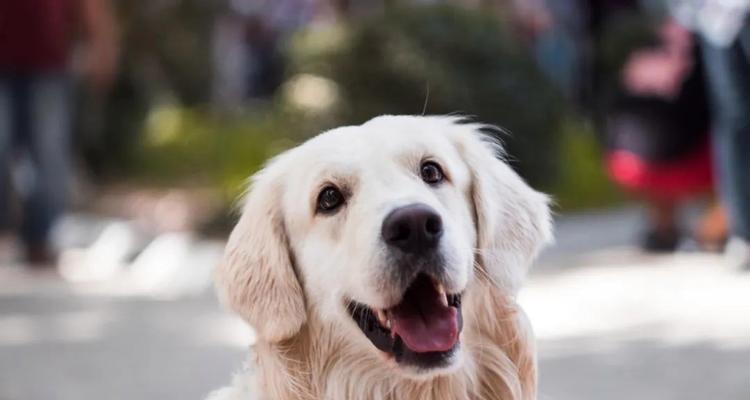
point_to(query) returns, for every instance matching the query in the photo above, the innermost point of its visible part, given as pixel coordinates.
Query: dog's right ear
(257, 279)
(513, 220)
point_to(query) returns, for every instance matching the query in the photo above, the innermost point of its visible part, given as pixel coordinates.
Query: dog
(382, 261)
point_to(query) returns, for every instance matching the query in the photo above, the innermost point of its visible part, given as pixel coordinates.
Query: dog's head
(381, 229)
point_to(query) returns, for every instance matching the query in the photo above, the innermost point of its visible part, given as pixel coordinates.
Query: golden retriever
(382, 261)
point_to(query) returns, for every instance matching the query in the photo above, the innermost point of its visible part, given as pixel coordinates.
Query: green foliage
(583, 182)
(466, 59)
(164, 53)
(193, 147)
(167, 46)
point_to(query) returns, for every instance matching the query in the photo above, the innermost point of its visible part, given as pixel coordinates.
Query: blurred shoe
(40, 256)
(656, 241)
(712, 231)
(737, 254)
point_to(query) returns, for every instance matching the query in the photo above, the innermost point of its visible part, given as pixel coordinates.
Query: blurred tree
(437, 60)
(165, 56)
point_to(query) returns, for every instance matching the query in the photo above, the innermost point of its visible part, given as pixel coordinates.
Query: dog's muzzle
(423, 328)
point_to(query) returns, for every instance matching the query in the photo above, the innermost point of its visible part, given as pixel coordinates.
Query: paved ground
(612, 323)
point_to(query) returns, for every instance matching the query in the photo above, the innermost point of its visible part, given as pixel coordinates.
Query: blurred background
(127, 130)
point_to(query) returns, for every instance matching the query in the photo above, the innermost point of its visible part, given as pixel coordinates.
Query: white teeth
(440, 289)
(441, 292)
(382, 318)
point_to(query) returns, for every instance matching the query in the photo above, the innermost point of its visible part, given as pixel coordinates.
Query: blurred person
(36, 83)
(266, 65)
(554, 31)
(657, 136)
(565, 36)
(725, 32)
(248, 36)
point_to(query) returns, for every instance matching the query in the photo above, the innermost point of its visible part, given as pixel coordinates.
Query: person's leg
(49, 149)
(8, 113)
(728, 75)
(663, 234)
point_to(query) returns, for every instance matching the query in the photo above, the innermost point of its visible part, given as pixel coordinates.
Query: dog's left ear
(513, 220)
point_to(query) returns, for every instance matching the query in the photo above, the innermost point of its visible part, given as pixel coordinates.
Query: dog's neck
(319, 363)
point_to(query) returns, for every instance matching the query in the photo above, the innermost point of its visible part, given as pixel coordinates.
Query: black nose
(413, 229)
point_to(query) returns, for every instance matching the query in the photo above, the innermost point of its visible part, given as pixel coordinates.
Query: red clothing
(35, 35)
(676, 180)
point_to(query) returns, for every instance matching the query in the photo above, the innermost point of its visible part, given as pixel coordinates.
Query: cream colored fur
(287, 272)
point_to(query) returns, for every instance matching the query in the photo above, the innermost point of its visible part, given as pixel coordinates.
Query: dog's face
(380, 230)
(381, 226)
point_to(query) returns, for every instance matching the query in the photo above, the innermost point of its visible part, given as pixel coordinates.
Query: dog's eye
(431, 173)
(330, 199)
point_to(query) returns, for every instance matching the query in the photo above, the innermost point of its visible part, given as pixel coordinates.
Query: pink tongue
(425, 325)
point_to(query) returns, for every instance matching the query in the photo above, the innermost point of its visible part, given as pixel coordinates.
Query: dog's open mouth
(423, 329)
